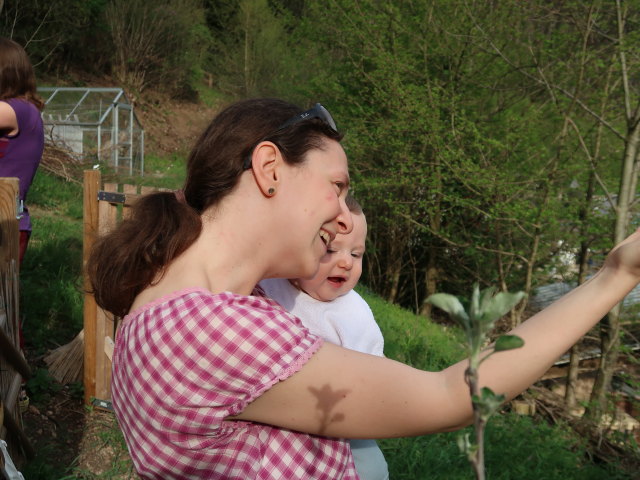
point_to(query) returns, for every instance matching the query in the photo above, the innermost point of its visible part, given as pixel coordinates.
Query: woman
(21, 130)
(212, 380)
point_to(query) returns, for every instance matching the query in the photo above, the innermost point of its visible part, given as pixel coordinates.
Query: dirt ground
(65, 433)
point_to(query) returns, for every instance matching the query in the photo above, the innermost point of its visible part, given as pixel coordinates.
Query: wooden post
(104, 208)
(107, 220)
(10, 354)
(90, 232)
(9, 242)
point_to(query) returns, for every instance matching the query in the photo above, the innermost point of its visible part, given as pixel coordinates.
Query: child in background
(21, 129)
(21, 138)
(329, 307)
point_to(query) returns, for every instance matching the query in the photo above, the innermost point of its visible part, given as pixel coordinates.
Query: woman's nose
(345, 222)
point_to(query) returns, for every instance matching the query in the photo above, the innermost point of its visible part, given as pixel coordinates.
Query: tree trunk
(435, 223)
(396, 246)
(431, 282)
(574, 356)
(609, 344)
(247, 51)
(610, 326)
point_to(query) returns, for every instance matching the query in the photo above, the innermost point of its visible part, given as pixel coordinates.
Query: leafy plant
(477, 321)
(41, 385)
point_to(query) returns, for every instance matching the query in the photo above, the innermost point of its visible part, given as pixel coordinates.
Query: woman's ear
(266, 161)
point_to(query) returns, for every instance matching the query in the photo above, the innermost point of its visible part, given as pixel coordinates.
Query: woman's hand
(626, 255)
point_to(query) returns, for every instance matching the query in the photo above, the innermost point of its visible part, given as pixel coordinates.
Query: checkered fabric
(187, 361)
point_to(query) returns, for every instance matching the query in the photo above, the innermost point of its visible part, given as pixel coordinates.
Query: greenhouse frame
(95, 124)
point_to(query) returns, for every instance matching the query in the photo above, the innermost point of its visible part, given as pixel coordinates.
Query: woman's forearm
(551, 333)
(347, 394)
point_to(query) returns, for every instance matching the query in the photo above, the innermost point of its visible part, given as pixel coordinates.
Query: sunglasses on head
(318, 111)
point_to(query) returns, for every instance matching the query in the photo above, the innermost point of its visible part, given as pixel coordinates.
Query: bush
(158, 44)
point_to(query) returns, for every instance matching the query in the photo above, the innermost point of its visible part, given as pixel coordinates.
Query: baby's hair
(353, 205)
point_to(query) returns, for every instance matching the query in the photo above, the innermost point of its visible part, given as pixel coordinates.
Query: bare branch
(623, 64)
(42, 22)
(448, 241)
(592, 162)
(562, 90)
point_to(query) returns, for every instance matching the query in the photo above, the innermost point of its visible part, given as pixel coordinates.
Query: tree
(450, 168)
(57, 33)
(250, 48)
(610, 106)
(159, 44)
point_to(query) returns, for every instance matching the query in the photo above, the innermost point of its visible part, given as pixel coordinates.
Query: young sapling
(477, 321)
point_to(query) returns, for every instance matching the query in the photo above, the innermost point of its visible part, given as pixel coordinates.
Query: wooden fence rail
(103, 209)
(13, 366)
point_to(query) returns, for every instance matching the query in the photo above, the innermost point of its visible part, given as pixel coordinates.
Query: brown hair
(17, 79)
(353, 205)
(129, 259)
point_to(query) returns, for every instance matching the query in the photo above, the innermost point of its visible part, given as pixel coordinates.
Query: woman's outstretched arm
(344, 393)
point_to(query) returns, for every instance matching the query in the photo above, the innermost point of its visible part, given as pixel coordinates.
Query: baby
(329, 307)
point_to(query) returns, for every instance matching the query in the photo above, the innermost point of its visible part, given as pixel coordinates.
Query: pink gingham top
(185, 362)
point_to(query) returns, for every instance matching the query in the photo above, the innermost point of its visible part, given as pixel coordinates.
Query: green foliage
(452, 306)
(517, 447)
(450, 173)
(487, 403)
(42, 468)
(251, 48)
(507, 342)
(480, 316)
(58, 34)
(477, 321)
(41, 385)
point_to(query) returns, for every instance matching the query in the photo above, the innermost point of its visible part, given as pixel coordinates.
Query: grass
(161, 172)
(50, 280)
(517, 447)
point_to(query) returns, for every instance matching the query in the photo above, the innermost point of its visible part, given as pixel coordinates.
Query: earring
(271, 191)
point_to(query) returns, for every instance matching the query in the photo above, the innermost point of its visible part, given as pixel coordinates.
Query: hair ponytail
(133, 256)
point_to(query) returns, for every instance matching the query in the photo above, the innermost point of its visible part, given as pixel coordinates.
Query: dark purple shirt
(20, 154)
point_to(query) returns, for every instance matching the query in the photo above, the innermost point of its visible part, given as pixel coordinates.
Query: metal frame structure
(96, 123)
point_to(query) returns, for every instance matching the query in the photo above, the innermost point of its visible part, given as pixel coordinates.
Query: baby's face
(341, 267)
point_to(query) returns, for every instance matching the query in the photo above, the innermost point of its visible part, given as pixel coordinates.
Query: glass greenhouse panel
(95, 124)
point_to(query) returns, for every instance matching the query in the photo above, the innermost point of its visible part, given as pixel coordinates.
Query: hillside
(171, 126)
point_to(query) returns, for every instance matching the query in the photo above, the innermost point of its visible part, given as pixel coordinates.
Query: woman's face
(314, 193)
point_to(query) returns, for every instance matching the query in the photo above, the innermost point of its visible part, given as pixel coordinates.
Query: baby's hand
(626, 255)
